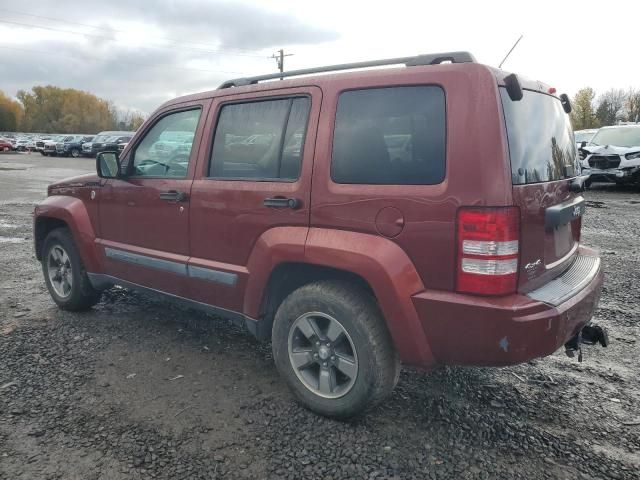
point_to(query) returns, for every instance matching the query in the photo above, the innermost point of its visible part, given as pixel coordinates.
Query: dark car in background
(113, 144)
(105, 141)
(49, 148)
(72, 146)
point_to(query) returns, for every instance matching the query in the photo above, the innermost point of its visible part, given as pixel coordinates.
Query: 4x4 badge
(533, 266)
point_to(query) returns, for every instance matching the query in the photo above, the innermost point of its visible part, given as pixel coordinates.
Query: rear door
(543, 161)
(254, 178)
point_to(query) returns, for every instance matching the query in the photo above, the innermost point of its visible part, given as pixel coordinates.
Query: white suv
(613, 155)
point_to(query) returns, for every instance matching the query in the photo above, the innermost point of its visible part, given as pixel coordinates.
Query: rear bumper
(619, 175)
(471, 330)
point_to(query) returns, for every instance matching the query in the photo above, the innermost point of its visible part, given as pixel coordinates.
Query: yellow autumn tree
(50, 109)
(11, 114)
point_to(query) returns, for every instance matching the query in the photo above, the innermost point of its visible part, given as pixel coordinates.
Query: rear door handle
(282, 202)
(173, 196)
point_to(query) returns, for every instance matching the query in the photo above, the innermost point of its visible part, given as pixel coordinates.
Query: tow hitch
(589, 335)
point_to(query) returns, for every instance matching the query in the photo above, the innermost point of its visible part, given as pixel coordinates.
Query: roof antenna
(509, 52)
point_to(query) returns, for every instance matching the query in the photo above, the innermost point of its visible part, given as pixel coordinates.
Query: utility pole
(279, 56)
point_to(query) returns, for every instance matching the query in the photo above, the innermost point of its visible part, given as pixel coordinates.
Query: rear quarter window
(392, 136)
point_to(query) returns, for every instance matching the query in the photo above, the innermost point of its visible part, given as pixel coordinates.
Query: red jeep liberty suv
(427, 214)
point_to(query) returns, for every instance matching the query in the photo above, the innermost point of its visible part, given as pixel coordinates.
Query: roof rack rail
(427, 59)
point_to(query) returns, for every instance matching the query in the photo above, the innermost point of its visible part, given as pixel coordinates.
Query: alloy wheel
(60, 271)
(323, 355)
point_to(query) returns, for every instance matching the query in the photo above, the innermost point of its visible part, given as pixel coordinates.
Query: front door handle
(173, 196)
(282, 202)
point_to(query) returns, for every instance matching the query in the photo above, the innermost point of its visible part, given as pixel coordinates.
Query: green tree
(633, 105)
(583, 115)
(611, 106)
(130, 120)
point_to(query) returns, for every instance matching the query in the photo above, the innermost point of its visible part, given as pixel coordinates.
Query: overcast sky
(139, 53)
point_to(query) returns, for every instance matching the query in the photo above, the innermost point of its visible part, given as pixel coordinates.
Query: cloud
(238, 25)
(132, 78)
(229, 24)
(126, 59)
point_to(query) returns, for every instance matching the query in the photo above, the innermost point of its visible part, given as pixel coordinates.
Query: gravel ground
(136, 388)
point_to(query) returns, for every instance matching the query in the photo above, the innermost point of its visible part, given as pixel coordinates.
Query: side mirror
(108, 165)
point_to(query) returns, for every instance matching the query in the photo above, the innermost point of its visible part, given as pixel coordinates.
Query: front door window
(165, 150)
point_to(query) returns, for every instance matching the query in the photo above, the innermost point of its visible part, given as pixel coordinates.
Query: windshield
(100, 138)
(583, 136)
(541, 142)
(620, 137)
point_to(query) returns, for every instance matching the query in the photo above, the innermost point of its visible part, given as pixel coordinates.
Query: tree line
(49, 109)
(613, 106)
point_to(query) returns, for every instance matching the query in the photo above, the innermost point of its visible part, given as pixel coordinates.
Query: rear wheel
(75, 153)
(64, 273)
(331, 345)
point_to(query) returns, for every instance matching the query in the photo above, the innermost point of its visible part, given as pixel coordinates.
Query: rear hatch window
(543, 160)
(541, 141)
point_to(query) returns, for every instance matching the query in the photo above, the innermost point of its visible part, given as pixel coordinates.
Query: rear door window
(541, 142)
(393, 136)
(260, 140)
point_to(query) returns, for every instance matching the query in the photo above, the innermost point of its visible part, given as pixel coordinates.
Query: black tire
(44, 153)
(81, 295)
(587, 183)
(75, 153)
(378, 364)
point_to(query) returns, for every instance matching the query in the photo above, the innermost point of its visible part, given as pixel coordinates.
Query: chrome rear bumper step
(573, 280)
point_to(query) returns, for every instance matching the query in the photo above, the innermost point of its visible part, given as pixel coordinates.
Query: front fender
(391, 275)
(73, 212)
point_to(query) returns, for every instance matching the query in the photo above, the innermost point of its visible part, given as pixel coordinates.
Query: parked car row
(66, 145)
(106, 141)
(611, 154)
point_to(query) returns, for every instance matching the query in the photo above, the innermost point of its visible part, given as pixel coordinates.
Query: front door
(144, 216)
(252, 189)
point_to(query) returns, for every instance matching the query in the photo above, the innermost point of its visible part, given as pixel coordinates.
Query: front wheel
(75, 153)
(331, 345)
(64, 273)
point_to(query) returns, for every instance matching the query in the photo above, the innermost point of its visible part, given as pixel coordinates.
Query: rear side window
(260, 140)
(541, 142)
(394, 136)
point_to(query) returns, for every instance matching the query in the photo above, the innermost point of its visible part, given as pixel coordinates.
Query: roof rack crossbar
(427, 59)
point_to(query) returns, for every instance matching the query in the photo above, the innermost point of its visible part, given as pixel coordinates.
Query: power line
(95, 59)
(215, 52)
(179, 42)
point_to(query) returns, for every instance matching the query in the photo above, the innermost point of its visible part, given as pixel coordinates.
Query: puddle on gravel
(11, 239)
(5, 224)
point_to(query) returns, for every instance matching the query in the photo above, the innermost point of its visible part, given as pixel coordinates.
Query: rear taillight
(488, 247)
